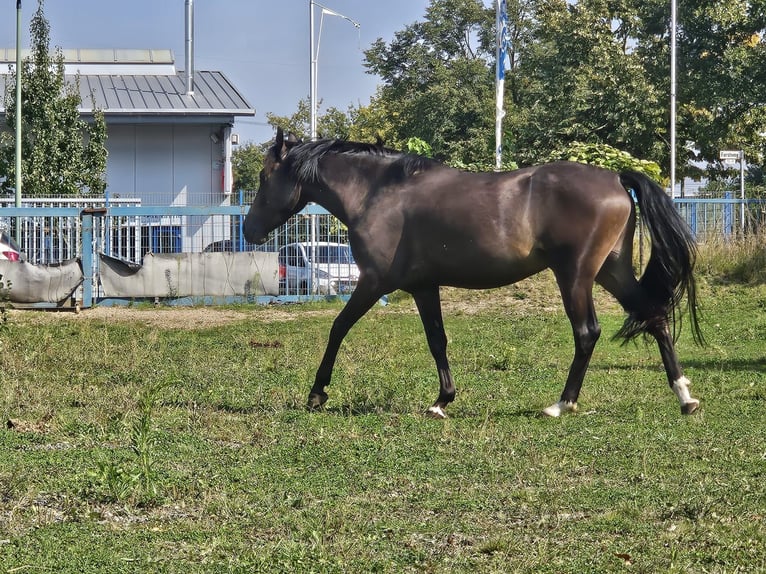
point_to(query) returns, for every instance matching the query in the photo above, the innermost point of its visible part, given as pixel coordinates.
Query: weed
(135, 479)
(5, 295)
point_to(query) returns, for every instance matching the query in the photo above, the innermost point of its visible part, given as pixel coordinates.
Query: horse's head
(279, 193)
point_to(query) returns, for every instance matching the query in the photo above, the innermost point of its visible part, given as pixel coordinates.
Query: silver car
(318, 268)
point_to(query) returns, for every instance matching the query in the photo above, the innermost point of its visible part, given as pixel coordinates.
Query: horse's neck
(333, 200)
(339, 196)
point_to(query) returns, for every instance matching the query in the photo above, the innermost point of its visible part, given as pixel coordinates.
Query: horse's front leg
(361, 301)
(429, 307)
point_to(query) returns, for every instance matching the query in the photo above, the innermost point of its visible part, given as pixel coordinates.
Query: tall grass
(737, 260)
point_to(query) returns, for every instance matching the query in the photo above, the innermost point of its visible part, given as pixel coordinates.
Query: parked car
(9, 249)
(229, 245)
(319, 268)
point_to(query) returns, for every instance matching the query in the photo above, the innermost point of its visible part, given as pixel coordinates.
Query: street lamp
(18, 117)
(315, 56)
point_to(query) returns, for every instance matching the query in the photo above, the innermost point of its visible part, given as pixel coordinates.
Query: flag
(503, 40)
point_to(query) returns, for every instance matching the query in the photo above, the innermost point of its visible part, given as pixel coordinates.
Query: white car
(319, 268)
(9, 250)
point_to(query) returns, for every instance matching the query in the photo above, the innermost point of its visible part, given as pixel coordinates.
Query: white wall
(167, 164)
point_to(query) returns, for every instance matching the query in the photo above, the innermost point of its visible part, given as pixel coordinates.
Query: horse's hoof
(690, 407)
(316, 401)
(558, 408)
(436, 412)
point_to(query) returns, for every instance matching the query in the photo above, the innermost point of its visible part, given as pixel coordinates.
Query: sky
(262, 46)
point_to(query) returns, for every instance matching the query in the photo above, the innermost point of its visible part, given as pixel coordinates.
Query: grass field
(175, 440)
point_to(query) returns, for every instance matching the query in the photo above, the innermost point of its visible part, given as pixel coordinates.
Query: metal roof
(156, 95)
(146, 94)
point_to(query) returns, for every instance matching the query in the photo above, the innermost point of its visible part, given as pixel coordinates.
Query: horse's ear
(292, 139)
(281, 147)
(379, 141)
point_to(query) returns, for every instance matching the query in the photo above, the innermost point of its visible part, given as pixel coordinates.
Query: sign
(729, 155)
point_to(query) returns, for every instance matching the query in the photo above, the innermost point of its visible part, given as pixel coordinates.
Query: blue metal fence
(129, 232)
(723, 218)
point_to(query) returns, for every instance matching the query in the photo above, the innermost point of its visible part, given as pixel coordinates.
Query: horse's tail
(669, 275)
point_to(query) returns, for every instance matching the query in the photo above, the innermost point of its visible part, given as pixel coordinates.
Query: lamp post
(18, 117)
(315, 56)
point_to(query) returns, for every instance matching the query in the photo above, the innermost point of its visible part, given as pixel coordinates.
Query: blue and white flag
(503, 40)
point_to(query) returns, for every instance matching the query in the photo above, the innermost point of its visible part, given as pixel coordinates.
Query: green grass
(138, 448)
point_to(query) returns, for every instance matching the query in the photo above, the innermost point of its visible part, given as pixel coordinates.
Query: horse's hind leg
(617, 277)
(429, 307)
(577, 295)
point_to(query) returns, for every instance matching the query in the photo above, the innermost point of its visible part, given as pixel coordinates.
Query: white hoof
(436, 412)
(688, 403)
(559, 408)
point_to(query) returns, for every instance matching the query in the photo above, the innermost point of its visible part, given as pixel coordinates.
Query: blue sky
(261, 45)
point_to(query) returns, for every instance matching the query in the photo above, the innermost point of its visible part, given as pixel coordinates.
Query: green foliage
(606, 156)
(418, 146)
(435, 74)
(62, 154)
(247, 163)
(578, 80)
(333, 123)
(592, 72)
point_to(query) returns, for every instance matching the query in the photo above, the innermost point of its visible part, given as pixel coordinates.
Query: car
(317, 268)
(229, 245)
(9, 249)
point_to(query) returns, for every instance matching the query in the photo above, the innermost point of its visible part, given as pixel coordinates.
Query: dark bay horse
(415, 224)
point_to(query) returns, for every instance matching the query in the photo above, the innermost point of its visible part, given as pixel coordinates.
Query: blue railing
(128, 233)
(722, 218)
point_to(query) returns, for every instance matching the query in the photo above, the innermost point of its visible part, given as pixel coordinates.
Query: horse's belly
(478, 273)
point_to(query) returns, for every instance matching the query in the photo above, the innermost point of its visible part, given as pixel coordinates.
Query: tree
(580, 80)
(333, 123)
(436, 75)
(247, 163)
(62, 154)
(721, 74)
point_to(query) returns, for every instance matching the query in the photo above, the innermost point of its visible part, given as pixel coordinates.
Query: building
(170, 133)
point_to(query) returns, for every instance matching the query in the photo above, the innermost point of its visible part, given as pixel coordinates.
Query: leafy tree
(375, 121)
(721, 72)
(62, 154)
(436, 75)
(247, 160)
(246, 163)
(579, 80)
(333, 123)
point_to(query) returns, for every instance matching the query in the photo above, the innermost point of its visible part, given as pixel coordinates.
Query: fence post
(89, 253)
(727, 216)
(87, 259)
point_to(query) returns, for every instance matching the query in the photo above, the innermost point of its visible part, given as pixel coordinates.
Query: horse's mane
(303, 159)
